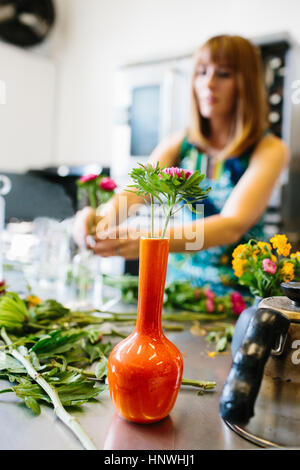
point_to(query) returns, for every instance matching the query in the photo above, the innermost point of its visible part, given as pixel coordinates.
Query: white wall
(94, 36)
(27, 109)
(90, 39)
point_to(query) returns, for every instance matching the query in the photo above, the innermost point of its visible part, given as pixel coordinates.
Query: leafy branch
(172, 187)
(60, 411)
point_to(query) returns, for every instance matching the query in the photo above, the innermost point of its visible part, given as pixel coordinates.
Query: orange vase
(145, 369)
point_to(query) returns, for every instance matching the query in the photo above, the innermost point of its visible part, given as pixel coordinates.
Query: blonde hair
(251, 110)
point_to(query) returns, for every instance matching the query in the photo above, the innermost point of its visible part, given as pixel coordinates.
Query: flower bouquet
(263, 266)
(97, 188)
(171, 187)
(86, 268)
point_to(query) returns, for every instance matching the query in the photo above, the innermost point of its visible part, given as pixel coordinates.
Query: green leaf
(48, 310)
(229, 332)
(101, 368)
(211, 337)
(72, 388)
(57, 342)
(10, 364)
(33, 405)
(79, 393)
(221, 344)
(13, 312)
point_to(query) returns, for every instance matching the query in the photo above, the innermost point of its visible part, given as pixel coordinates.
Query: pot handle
(244, 379)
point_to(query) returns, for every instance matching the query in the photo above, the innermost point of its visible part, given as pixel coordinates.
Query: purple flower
(269, 266)
(87, 178)
(107, 184)
(173, 170)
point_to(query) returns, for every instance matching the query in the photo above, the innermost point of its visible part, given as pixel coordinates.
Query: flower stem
(59, 410)
(169, 213)
(92, 196)
(152, 216)
(87, 374)
(198, 383)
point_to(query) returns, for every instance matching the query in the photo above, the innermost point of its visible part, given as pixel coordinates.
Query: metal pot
(267, 361)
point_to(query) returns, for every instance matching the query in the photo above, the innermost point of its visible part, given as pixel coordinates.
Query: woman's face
(216, 89)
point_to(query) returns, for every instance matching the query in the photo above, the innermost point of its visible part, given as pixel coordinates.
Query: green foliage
(153, 181)
(13, 312)
(59, 355)
(10, 365)
(221, 337)
(57, 342)
(66, 349)
(73, 389)
(178, 295)
(48, 310)
(172, 190)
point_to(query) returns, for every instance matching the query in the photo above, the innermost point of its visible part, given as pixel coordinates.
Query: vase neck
(152, 278)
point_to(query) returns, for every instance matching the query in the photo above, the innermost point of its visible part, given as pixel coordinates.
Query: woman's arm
(242, 209)
(245, 205)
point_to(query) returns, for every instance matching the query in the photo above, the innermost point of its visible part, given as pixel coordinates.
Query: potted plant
(262, 267)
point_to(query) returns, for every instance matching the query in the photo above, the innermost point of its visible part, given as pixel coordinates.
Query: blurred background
(91, 85)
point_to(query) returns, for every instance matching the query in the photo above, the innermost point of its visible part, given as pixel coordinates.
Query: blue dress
(212, 267)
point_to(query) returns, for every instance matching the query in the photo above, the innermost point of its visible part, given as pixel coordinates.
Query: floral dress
(212, 266)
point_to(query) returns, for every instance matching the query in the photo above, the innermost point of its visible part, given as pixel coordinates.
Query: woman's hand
(119, 242)
(84, 225)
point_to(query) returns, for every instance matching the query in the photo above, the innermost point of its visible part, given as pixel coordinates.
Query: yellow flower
(254, 254)
(33, 300)
(238, 250)
(288, 272)
(295, 255)
(280, 242)
(239, 266)
(263, 247)
(211, 353)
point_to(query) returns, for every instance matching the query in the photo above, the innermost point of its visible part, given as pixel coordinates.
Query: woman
(228, 140)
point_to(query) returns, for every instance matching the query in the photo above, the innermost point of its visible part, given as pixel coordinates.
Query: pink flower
(269, 266)
(107, 184)
(173, 170)
(209, 294)
(87, 178)
(209, 305)
(238, 303)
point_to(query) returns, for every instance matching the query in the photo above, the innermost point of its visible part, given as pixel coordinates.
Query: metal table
(194, 422)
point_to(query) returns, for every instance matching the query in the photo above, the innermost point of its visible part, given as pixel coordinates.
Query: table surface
(194, 422)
